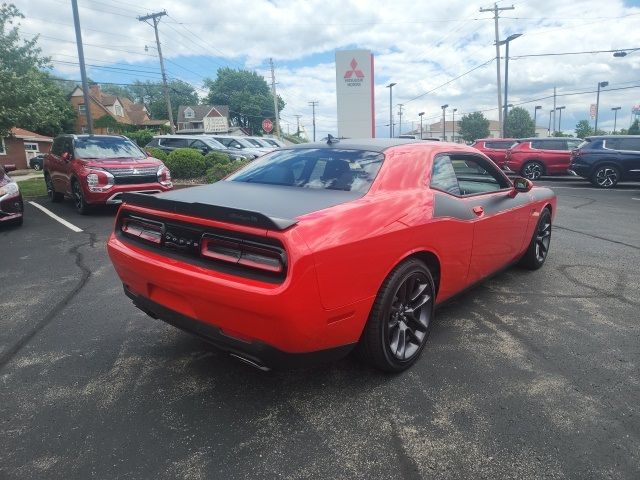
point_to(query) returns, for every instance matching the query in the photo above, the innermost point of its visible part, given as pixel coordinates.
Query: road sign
(592, 110)
(267, 125)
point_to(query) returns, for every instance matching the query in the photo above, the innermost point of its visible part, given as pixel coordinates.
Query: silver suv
(203, 143)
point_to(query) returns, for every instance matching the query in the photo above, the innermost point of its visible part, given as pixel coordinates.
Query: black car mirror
(521, 185)
(66, 156)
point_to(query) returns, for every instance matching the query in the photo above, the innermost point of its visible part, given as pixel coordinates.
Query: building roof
(201, 111)
(28, 135)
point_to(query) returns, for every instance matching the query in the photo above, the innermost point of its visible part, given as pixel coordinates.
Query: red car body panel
(11, 205)
(338, 257)
(555, 161)
(488, 147)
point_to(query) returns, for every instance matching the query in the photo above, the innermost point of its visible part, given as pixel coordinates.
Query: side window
(56, 148)
(476, 176)
(153, 143)
(235, 144)
(538, 144)
(613, 144)
(199, 144)
(629, 144)
(498, 145)
(174, 142)
(224, 141)
(443, 176)
(573, 144)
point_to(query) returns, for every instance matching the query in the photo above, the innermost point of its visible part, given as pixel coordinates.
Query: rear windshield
(106, 148)
(319, 168)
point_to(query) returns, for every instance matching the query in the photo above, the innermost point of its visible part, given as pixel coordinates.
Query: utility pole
(275, 99)
(156, 20)
(83, 72)
(297, 125)
(313, 105)
(400, 105)
(496, 12)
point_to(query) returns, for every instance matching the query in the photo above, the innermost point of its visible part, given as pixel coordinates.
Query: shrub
(157, 153)
(221, 170)
(212, 159)
(186, 163)
(141, 137)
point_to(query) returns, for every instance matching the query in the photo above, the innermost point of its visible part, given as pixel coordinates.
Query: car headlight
(99, 180)
(9, 189)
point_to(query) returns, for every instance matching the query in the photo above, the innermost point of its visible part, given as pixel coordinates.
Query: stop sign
(267, 125)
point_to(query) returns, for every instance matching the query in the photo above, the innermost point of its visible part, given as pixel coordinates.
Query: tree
(583, 129)
(151, 94)
(117, 90)
(247, 94)
(634, 129)
(29, 97)
(473, 126)
(519, 124)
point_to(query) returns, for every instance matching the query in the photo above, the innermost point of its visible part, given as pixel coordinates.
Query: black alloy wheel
(532, 170)
(538, 249)
(37, 167)
(78, 198)
(51, 192)
(606, 176)
(400, 320)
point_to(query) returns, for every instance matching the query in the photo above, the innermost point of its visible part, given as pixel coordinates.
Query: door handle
(478, 210)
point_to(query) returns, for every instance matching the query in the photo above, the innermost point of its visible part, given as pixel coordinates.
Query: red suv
(98, 169)
(534, 157)
(494, 148)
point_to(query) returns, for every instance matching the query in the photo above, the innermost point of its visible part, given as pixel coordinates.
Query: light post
(420, 115)
(444, 122)
(600, 85)
(390, 87)
(560, 118)
(506, 78)
(453, 128)
(549, 130)
(615, 118)
(535, 114)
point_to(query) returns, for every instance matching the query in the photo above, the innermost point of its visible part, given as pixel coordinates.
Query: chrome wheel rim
(532, 171)
(543, 239)
(409, 317)
(77, 196)
(606, 177)
(49, 184)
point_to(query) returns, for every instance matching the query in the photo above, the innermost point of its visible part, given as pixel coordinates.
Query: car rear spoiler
(211, 212)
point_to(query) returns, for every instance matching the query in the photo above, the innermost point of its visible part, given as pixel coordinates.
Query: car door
(66, 165)
(629, 152)
(500, 218)
(54, 162)
(558, 155)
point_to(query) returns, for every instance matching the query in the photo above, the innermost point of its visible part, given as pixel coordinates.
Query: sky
(436, 52)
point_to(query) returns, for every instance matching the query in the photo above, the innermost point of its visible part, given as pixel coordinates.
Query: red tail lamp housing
(267, 258)
(142, 228)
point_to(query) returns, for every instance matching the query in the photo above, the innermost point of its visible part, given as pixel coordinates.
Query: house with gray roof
(203, 119)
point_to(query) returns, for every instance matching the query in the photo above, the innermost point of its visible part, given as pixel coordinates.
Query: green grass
(33, 187)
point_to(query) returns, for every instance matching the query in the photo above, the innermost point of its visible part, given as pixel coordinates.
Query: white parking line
(635, 198)
(70, 226)
(552, 187)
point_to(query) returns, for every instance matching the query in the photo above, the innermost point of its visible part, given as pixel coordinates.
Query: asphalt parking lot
(529, 375)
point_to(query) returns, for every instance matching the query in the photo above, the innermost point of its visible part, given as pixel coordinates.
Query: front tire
(532, 170)
(538, 249)
(400, 320)
(605, 176)
(78, 198)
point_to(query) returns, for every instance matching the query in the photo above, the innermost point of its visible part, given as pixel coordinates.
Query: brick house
(21, 145)
(203, 119)
(120, 109)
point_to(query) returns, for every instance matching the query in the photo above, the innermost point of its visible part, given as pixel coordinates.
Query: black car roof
(371, 144)
(547, 139)
(605, 137)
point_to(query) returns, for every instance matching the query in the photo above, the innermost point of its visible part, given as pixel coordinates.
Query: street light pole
(506, 80)
(549, 130)
(615, 118)
(420, 115)
(600, 85)
(444, 122)
(535, 114)
(390, 87)
(560, 118)
(453, 127)
(400, 105)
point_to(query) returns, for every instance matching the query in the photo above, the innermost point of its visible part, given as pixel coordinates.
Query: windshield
(106, 148)
(318, 168)
(254, 142)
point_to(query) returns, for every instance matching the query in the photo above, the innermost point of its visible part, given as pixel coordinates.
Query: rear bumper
(255, 353)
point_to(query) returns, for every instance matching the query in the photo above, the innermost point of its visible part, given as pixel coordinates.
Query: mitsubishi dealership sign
(354, 89)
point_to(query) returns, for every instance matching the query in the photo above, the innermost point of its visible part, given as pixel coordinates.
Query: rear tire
(54, 196)
(532, 170)
(605, 176)
(400, 320)
(538, 249)
(37, 167)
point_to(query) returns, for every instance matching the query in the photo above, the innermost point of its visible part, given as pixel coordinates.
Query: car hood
(266, 206)
(122, 162)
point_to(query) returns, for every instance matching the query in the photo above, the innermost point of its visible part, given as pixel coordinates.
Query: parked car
(205, 144)
(494, 148)
(534, 157)
(98, 169)
(608, 159)
(36, 162)
(241, 144)
(11, 204)
(316, 249)
(262, 143)
(276, 142)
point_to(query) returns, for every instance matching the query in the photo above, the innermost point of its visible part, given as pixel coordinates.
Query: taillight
(164, 176)
(142, 228)
(243, 252)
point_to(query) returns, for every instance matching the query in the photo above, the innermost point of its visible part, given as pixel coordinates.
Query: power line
(570, 53)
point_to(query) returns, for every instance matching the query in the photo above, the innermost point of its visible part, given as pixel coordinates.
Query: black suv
(608, 159)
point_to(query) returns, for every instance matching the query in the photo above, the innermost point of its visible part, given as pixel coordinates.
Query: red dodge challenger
(316, 249)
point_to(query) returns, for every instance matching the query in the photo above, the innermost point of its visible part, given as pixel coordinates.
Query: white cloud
(419, 47)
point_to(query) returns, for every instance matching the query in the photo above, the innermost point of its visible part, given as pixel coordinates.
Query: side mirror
(65, 156)
(521, 185)
(9, 168)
